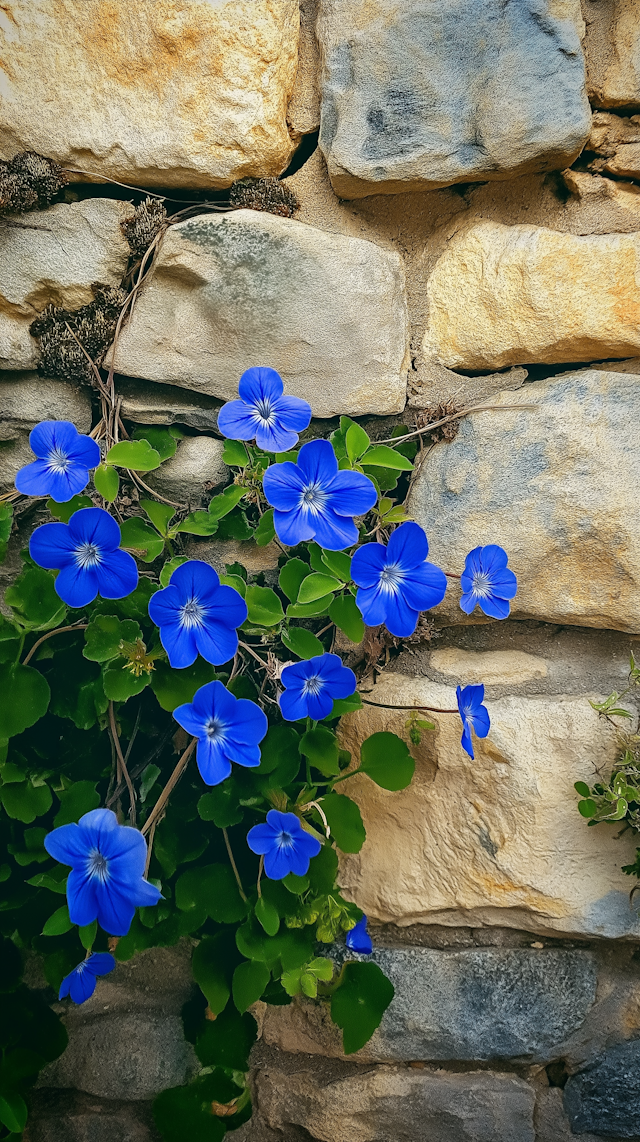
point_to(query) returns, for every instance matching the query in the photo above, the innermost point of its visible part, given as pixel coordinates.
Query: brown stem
(171, 783)
(141, 484)
(418, 709)
(124, 772)
(152, 833)
(452, 575)
(447, 419)
(233, 865)
(257, 657)
(260, 868)
(49, 634)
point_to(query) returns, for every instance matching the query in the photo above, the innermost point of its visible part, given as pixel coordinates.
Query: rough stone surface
(198, 461)
(616, 142)
(555, 485)
(612, 47)
(25, 399)
(329, 313)
(508, 295)
(491, 667)
(161, 404)
(304, 109)
(69, 248)
(605, 1098)
(384, 1103)
(414, 96)
(435, 385)
(497, 840)
(68, 1116)
(173, 93)
(551, 1122)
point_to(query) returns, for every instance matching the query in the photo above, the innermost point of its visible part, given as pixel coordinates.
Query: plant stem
(234, 866)
(260, 868)
(171, 783)
(257, 657)
(124, 772)
(418, 709)
(455, 416)
(49, 634)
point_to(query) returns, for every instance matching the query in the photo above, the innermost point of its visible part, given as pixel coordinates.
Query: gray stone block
(419, 95)
(66, 1116)
(605, 1098)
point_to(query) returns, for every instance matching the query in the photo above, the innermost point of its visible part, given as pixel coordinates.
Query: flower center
(285, 840)
(58, 461)
(214, 729)
(481, 584)
(98, 866)
(313, 498)
(264, 410)
(391, 576)
(87, 555)
(313, 685)
(192, 613)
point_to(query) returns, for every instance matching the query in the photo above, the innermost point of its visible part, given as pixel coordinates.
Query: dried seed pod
(267, 194)
(59, 330)
(29, 181)
(143, 225)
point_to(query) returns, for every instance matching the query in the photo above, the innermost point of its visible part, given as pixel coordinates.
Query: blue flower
(64, 459)
(87, 551)
(358, 939)
(227, 728)
(284, 844)
(487, 580)
(107, 861)
(396, 582)
(263, 412)
(312, 685)
(473, 714)
(313, 500)
(80, 984)
(196, 614)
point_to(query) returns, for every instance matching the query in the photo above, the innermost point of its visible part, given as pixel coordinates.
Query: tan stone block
(612, 48)
(492, 667)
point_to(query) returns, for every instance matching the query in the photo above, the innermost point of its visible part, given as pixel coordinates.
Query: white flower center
(192, 613)
(285, 840)
(313, 498)
(98, 866)
(214, 729)
(264, 411)
(313, 685)
(87, 555)
(481, 584)
(58, 461)
(390, 577)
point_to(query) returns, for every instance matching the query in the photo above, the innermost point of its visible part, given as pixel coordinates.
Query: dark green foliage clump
(144, 224)
(264, 194)
(29, 181)
(93, 326)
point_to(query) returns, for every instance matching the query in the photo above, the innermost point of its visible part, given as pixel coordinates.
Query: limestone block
(68, 1116)
(612, 48)
(197, 461)
(173, 93)
(605, 1098)
(25, 399)
(68, 248)
(507, 295)
(248, 288)
(491, 667)
(497, 840)
(382, 1103)
(304, 108)
(161, 404)
(616, 141)
(555, 485)
(417, 96)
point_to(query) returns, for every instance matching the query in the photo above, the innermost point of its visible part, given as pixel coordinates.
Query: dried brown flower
(29, 181)
(267, 194)
(93, 325)
(144, 224)
(446, 432)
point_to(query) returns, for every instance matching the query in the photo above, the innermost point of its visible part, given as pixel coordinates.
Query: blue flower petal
(241, 754)
(260, 383)
(466, 741)
(82, 898)
(179, 643)
(358, 939)
(319, 705)
(76, 586)
(367, 563)
(294, 413)
(195, 577)
(424, 587)
(190, 720)
(283, 486)
(261, 838)
(480, 721)
(252, 724)
(164, 606)
(372, 604)
(504, 584)
(66, 844)
(216, 643)
(85, 452)
(333, 532)
(117, 575)
(292, 705)
(115, 909)
(494, 607)
(51, 545)
(95, 525)
(293, 527)
(277, 863)
(317, 462)
(237, 420)
(352, 493)
(82, 985)
(494, 558)
(408, 545)
(275, 437)
(141, 893)
(401, 619)
(101, 963)
(225, 605)
(468, 602)
(53, 434)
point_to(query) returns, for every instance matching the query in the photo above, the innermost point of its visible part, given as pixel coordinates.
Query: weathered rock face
(509, 295)
(414, 96)
(161, 404)
(497, 840)
(198, 461)
(612, 48)
(25, 399)
(555, 486)
(616, 142)
(164, 94)
(68, 249)
(605, 1097)
(242, 289)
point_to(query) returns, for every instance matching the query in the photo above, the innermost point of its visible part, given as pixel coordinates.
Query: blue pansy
(359, 940)
(395, 582)
(312, 685)
(106, 882)
(313, 500)
(87, 552)
(227, 728)
(284, 844)
(197, 614)
(473, 714)
(80, 984)
(64, 460)
(487, 581)
(263, 412)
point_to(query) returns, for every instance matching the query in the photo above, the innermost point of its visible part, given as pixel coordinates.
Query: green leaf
(140, 537)
(58, 923)
(182, 1113)
(13, 1111)
(173, 688)
(212, 888)
(6, 521)
(321, 747)
(277, 748)
(345, 822)
(220, 805)
(199, 523)
(87, 935)
(208, 967)
(221, 505)
(264, 606)
(79, 799)
(345, 614)
(356, 441)
(107, 482)
(381, 456)
(33, 599)
(169, 568)
(587, 808)
(267, 916)
(296, 884)
(265, 532)
(63, 512)
(105, 633)
(10, 966)
(316, 586)
(45, 880)
(249, 981)
(582, 788)
(159, 514)
(159, 437)
(302, 642)
(309, 610)
(358, 1005)
(227, 1041)
(120, 684)
(234, 454)
(137, 455)
(291, 576)
(25, 698)
(338, 564)
(385, 758)
(345, 706)
(236, 582)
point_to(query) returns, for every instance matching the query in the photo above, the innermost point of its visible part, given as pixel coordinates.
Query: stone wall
(468, 231)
